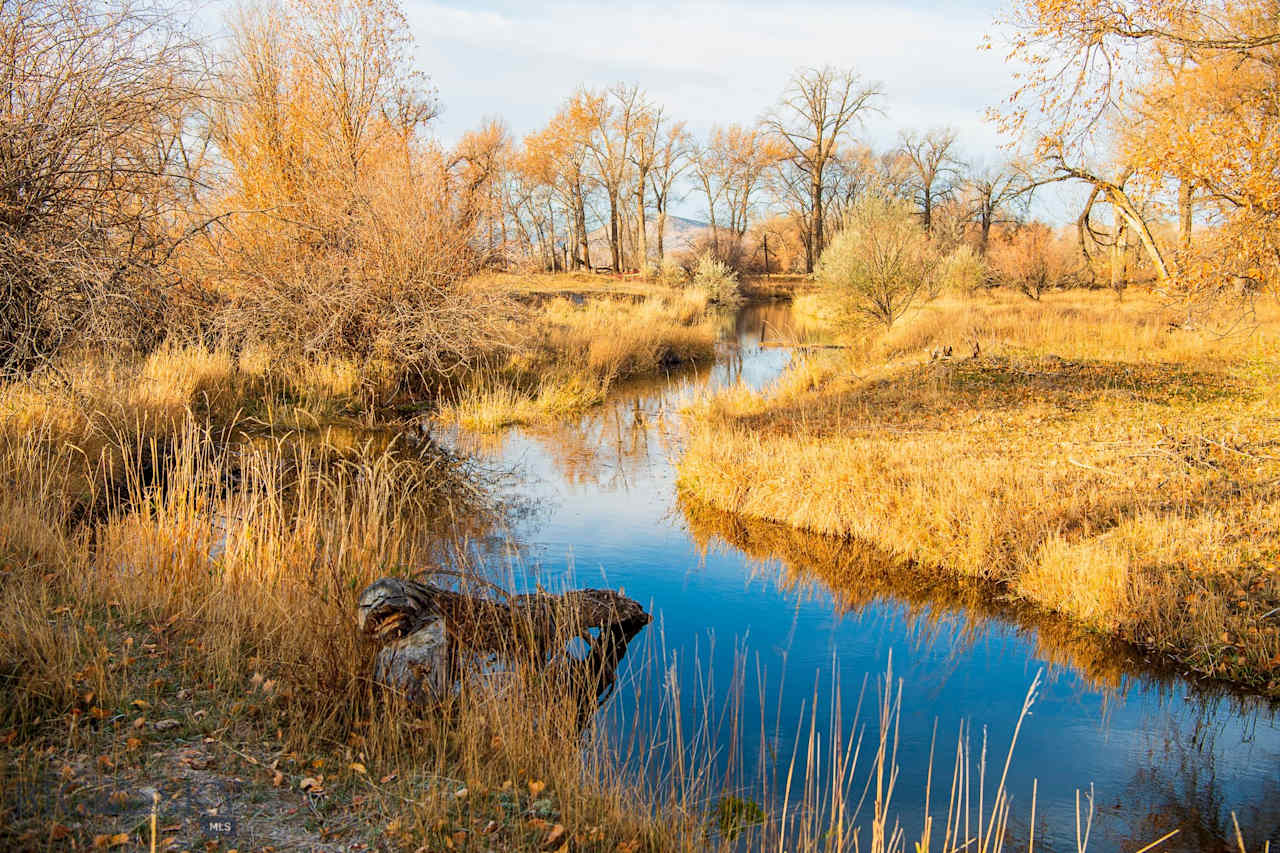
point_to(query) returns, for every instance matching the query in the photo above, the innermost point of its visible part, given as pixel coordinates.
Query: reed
(218, 591)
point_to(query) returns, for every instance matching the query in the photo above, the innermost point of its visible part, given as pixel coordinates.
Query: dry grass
(570, 355)
(1093, 461)
(221, 594)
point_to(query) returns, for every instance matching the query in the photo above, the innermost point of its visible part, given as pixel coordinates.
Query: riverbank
(566, 354)
(182, 538)
(1092, 459)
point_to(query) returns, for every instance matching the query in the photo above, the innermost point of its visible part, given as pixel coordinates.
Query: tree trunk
(1184, 209)
(642, 238)
(816, 236)
(1119, 248)
(615, 236)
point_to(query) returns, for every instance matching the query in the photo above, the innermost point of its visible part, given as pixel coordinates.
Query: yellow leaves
(536, 786)
(357, 767)
(313, 785)
(104, 842)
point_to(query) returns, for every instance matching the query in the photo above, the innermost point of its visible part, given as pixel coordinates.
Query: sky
(717, 62)
(710, 62)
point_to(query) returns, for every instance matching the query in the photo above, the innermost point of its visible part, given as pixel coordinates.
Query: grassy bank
(194, 635)
(1093, 460)
(565, 356)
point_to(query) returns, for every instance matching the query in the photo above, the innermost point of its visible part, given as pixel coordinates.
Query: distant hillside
(678, 236)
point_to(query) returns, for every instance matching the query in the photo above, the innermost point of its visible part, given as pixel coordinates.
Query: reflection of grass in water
(571, 357)
(1134, 490)
(1181, 793)
(857, 574)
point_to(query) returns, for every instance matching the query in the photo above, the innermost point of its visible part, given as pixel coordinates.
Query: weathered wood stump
(428, 634)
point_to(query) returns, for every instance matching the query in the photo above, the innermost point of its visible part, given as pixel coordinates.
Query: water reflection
(762, 624)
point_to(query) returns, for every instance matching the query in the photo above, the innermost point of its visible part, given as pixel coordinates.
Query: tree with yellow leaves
(1147, 99)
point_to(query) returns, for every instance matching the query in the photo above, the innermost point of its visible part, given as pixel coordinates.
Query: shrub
(672, 275)
(715, 279)
(360, 234)
(1031, 261)
(962, 271)
(879, 262)
(97, 105)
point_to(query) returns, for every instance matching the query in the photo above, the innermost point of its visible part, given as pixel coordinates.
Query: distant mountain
(679, 235)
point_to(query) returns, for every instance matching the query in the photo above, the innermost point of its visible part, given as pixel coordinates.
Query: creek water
(759, 626)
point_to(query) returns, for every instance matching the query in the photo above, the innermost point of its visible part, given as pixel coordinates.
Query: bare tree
(817, 111)
(932, 169)
(613, 119)
(671, 160)
(96, 170)
(646, 149)
(988, 193)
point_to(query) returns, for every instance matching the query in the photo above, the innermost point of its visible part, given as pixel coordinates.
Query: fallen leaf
(140, 722)
(277, 780)
(312, 785)
(101, 842)
(359, 768)
(489, 828)
(58, 831)
(140, 704)
(536, 786)
(133, 743)
(557, 832)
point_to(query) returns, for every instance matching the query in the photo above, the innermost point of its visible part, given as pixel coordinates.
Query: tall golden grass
(1093, 460)
(569, 356)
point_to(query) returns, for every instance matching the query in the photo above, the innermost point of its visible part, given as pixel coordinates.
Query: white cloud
(709, 62)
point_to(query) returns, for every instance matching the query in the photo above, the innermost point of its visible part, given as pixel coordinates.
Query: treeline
(288, 189)
(610, 164)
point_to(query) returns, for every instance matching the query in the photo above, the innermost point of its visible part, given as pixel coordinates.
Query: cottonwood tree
(932, 168)
(671, 158)
(1090, 66)
(558, 155)
(988, 192)
(817, 113)
(614, 116)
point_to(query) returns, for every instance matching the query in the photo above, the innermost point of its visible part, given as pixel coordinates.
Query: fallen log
(430, 636)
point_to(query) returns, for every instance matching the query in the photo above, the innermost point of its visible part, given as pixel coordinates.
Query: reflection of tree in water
(1176, 786)
(1179, 786)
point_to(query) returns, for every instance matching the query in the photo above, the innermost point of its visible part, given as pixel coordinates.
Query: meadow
(1097, 457)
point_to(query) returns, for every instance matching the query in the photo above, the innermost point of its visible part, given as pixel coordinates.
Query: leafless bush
(96, 173)
(725, 247)
(1032, 260)
(357, 233)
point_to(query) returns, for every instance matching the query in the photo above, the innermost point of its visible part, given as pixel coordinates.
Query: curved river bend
(761, 625)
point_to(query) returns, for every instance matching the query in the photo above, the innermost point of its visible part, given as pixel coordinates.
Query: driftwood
(429, 634)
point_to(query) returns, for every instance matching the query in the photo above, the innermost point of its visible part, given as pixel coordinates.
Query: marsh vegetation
(265, 338)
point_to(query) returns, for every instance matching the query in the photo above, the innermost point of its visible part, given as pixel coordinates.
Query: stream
(770, 634)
